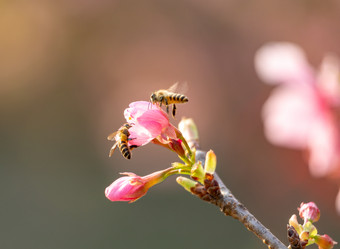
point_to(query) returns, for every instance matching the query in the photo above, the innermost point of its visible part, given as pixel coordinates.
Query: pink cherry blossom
(300, 112)
(132, 187)
(148, 122)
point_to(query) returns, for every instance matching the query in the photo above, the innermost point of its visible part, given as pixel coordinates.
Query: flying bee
(121, 137)
(169, 96)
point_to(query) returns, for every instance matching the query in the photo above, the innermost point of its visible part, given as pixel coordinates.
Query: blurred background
(69, 68)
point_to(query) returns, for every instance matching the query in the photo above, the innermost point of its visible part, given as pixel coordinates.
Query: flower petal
(288, 115)
(137, 109)
(283, 62)
(139, 136)
(328, 79)
(337, 202)
(153, 120)
(324, 147)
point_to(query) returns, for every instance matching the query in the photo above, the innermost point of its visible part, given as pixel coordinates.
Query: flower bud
(176, 146)
(189, 131)
(132, 187)
(309, 212)
(186, 183)
(210, 162)
(127, 188)
(293, 236)
(324, 241)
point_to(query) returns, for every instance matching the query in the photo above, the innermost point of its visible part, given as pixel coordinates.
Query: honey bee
(121, 141)
(169, 96)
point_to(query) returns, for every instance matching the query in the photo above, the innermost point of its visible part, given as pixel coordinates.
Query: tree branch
(215, 192)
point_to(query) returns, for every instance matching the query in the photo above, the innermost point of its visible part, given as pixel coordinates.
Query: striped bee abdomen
(124, 149)
(178, 98)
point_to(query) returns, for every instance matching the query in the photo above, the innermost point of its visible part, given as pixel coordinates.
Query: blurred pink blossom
(282, 62)
(149, 122)
(301, 112)
(337, 202)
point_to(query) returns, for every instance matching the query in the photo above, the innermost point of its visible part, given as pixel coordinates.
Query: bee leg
(161, 101)
(174, 110)
(167, 105)
(133, 146)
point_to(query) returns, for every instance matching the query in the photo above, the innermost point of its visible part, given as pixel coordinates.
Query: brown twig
(215, 192)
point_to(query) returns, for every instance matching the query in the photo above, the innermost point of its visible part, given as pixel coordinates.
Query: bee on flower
(122, 138)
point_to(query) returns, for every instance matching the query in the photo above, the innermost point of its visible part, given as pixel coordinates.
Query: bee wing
(111, 137)
(113, 149)
(179, 87)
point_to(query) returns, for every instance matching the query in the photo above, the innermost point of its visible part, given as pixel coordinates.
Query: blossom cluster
(307, 233)
(147, 123)
(302, 112)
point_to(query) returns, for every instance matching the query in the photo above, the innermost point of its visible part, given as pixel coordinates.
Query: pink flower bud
(324, 241)
(176, 146)
(132, 187)
(126, 188)
(309, 212)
